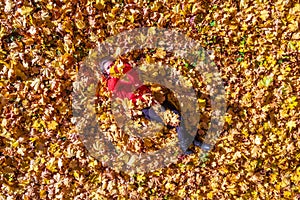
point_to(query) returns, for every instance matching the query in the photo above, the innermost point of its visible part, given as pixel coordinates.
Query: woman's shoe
(188, 152)
(197, 142)
(202, 145)
(206, 147)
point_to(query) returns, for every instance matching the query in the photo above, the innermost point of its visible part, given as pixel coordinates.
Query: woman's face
(107, 66)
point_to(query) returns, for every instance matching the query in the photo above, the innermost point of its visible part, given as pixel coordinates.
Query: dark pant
(184, 138)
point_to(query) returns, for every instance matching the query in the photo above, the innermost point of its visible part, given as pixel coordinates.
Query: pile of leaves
(256, 47)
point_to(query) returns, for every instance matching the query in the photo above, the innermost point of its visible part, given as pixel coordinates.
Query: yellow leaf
(264, 14)
(43, 160)
(15, 144)
(5, 63)
(201, 100)
(233, 27)
(287, 194)
(273, 178)
(52, 125)
(80, 24)
(182, 192)
(131, 18)
(298, 171)
(228, 119)
(102, 2)
(115, 10)
(267, 125)
(266, 108)
(293, 26)
(176, 8)
(93, 163)
(254, 193)
(76, 175)
(195, 8)
(170, 186)
(155, 7)
(46, 181)
(49, 6)
(113, 72)
(160, 53)
(24, 183)
(244, 27)
(296, 7)
(292, 102)
(140, 178)
(210, 195)
(103, 117)
(25, 10)
(38, 124)
(148, 59)
(290, 125)
(50, 165)
(232, 190)
(43, 194)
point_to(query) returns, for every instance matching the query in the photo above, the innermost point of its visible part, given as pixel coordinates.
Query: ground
(255, 46)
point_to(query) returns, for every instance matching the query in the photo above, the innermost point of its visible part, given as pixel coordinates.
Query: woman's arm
(130, 78)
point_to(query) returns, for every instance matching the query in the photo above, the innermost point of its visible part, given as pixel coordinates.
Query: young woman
(124, 89)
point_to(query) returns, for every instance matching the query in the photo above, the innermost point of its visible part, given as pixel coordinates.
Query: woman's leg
(202, 145)
(150, 114)
(183, 137)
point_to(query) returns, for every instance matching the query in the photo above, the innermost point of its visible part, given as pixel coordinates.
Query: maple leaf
(264, 15)
(52, 125)
(290, 125)
(24, 10)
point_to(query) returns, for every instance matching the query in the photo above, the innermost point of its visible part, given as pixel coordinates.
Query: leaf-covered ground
(256, 47)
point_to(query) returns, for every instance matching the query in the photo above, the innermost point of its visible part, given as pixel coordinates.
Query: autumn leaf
(52, 125)
(210, 195)
(264, 15)
(290, 125)
(24, 10)
(46, 46)
(266, 82)
(160, 53)
(76, 175)
(80, 24)
(51, 165)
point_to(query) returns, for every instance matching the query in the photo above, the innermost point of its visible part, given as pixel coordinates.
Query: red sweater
(125, 88)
